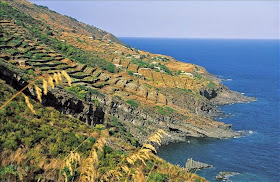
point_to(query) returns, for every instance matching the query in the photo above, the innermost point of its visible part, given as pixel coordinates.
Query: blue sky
(176, 19)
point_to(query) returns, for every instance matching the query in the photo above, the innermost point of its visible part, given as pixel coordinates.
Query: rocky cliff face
(58, 98)
(140, 121)
(144, 91)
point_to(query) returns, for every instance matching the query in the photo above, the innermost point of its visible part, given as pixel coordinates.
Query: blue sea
(250, 67)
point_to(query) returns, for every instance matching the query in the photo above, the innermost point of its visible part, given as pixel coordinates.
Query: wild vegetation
(51, 146)
(78, 63)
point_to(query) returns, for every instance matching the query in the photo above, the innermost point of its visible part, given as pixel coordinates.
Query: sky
(176, 19)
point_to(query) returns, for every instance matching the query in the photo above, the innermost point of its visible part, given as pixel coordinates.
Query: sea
(247, 66)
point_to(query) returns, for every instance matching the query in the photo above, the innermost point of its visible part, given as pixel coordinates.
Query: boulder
(196, 165)
(223, 176)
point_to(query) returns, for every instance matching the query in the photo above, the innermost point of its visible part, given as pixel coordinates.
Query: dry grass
(128, 164)
(64, 73)
(29, 105)
(56, 76)
(50, 82)
(45, 86)
(71, 163)
(38, 92)
(88, 167)
(139, 176)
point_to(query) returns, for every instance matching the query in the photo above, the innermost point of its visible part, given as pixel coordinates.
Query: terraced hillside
(37, 147)
(145, 91)
(121, 92)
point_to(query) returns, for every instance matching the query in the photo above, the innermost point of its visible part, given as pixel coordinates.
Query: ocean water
(250, 67)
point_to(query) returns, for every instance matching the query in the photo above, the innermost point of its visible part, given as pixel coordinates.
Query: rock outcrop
(223, 176)
(196, 165)
(175, 124)
(58, 98)
(179, 98)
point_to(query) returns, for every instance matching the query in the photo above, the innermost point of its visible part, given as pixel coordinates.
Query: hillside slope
(143, 91)
(61, 23)
(147, 90)
(36, 147)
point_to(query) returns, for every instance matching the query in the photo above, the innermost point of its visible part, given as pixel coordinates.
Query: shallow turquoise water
(252, 67)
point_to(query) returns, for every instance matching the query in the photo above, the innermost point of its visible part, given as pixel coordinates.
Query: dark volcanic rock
(225, 175)
(227, 96)
(58, 98)
(177, 126)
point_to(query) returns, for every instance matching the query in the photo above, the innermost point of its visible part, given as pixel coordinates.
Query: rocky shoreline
(135, 118)
(224, 176)
(175, 123)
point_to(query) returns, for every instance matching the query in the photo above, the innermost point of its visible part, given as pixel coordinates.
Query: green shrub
(82, 94)
(30, 72)
(38, 56)
(132, 141)
(179, 72)
(53, 149)
(19, 22)
(169, 109)
(161, 110)
(140, 63)
(79, 40)
(10, 144)
(44, 38)
(49, 33)
(94, 91)
(133, 103)
(156, 177)
(165, 69)
(77, 90)
(129, 72)
(152, 66)
(198, 76)
(3, 4)
(99, 127)
(8, 171)
(148, 86)
(136, 50)
(107, 149)
(92, 140)
(111, 68)
(211, 85)
(166, 110)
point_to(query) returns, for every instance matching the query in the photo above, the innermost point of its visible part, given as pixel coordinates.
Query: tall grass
(50, 83)
(126, 167)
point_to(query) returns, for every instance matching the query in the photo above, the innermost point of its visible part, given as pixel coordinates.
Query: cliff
(144, 92)
(178, 97)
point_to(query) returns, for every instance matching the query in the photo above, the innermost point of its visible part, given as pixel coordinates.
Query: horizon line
(200, 38)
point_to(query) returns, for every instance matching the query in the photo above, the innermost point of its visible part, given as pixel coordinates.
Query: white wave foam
(244, 133)
(227, 79)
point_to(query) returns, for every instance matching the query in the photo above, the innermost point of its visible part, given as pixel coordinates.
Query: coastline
(252, 82)
(224, 96)
(217, 97)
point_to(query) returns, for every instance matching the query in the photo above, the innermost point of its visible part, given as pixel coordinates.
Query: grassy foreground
(51, 146)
